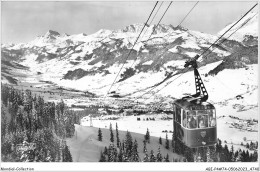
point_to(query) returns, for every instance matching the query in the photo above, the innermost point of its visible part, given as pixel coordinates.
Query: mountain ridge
(63, 58)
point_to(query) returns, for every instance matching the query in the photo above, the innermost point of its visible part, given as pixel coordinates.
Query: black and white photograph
(102, 85)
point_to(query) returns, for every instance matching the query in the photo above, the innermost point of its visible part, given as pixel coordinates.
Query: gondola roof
(192, 105)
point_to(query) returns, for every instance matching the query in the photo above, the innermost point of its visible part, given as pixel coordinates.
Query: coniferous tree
(159, 155)
(120, 155)
(203, 154)
(146, 156)
(125, 157)
(167, 146)
(105, 151)
(144, 149)
(160, 140)
(128, 144)
(219, 151)
(66, 155)
(147, 136)
(167, 158)
(213, 153)
(250, 157)
(232, 154)
(235, 155)
(117, 137)
(173, 142)
(152, 156)
(115, 154)
(243, 156)
(219, 146)
(255, 156)
(251, 146)
(135, 155)
(102, 157)
(247, 145)
(3, 124)
(111, 153)
(188, 154)
(209, 159)
(239, 156)
(111, 134)
(199, 158)
(226, 154)
(99, 135)
(247, 156)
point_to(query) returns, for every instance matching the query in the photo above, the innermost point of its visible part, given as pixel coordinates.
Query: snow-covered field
(85, 147)
(224, 132)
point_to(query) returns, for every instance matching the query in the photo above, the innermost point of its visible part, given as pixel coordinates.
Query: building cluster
(249, 125)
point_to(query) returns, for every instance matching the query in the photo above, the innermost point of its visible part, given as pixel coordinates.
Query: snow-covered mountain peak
(64, 35)
(133, 28)
(102, 33)
(244, 28)
(51, 33)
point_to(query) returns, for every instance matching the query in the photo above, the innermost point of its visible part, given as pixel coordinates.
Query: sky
(24, 21)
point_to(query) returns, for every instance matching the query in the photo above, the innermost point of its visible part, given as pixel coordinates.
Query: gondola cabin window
(191, 119)
(203, 118)
(212, 118)
(199, 119)
(184, 118)
(178, 114)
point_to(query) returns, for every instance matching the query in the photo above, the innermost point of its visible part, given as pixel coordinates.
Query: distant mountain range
(91, 62)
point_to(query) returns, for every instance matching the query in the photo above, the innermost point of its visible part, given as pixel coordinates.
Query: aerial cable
(205, 56)
(150, 35)
(160, 20)
(226, 40)
(152, 20)
(188, 13)
(131, 49)
(200, 55)
(168, 49)
(168, 35)
(228, 30)
(181, 73)
(230, 35)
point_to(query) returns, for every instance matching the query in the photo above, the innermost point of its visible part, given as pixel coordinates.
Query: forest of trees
(217, 153)
(126, 151)
(27, 118)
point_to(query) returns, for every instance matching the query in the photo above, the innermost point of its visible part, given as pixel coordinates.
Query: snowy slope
(91, 62)
(85, 147)
(102, 53)
(250, 28)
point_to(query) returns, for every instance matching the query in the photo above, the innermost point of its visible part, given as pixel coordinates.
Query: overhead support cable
(200, 55)
(150, 35)
(131, 49)
(152, 20)
(168, 37)
(204, 57)
(228, 29)
(188, 14)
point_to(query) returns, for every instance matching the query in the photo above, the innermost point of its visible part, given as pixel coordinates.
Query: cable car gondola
(194, 119)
